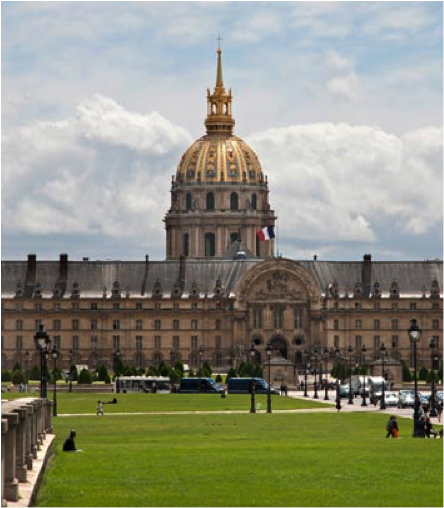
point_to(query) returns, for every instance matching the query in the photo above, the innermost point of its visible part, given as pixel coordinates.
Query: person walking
(439, 411)
(99, 410)
(392, 428)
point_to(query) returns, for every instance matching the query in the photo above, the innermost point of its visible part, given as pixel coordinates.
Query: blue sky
(342, 102)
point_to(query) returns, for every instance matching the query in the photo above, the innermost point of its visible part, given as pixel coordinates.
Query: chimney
(63, 267)
(145, 276)
(315, 257)
(367, 275)
(31, 274)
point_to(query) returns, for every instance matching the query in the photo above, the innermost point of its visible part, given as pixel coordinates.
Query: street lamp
(315, 353)
(338, 390)
(70, 368)
(307, 366)
(42, 343)
(350, 392)
(415, 335)
(383, 354)
(268, 351)
(327, 354)
(171, 357)
(364, 397)
(435, 359)
(54, 354)
(116, 360)
(200, 352)
(26, 368)
(253, 402)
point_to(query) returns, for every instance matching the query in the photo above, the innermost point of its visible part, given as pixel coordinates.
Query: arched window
(188, 202)
(210, 244)
(254, 202)
(234, 201)
(214, 108)
(210, 201)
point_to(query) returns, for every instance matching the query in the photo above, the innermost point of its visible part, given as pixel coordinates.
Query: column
(11, 482)
(20, 439)
(29, 454)
(219, 244)
(4, 432)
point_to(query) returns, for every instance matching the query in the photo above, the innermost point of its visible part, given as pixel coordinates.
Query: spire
(219, 119)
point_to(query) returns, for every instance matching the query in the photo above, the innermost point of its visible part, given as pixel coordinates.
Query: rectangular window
(94, 306)
(210, 244)
(157, 341)
(358, 340)
(176, 342)
(93, 324)
(194, 342)
(218, 341)
(56, 324)
(277, 318)
(38, 322)
(75, 342)
(157, 324)
(394, 324)
(336, 341)
(19, 342)
(138, 324)
(138, 306)
(175, 324)
(358, 324)
(193, 305)
(376, 343)
(194, 324)
(336, 324)
(75, 324)
(57, 342)
(116, 306)
(116, 342)
(56, 307)
(435, 306)
(93, 342)
(116, 324)
(19, 325)
(138, 342)
(19, 306)
(413, 306)
(377, 306)
(75, 306)
(186, 244)
(435, 324)
(157, 306)
(376, 324)
(297, 318)
(257, 318)
(394, 306)
(336, 306)
(38, 306)
(175, 306)
(394, 341)
(436, 339)
(358, 306)
(218, 324)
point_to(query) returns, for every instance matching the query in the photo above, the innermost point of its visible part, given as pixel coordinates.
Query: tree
(164, 369)
(175, 376)
(423, 373)
(191, 373)
(152, 371)
(218, 378)
(17, 366)
(85, 377)
(34, 373)
(246, 369)
(6, 375)
(57, 373)
(17, 377)
(241, 367)
(119, 367)
(179, 366)
(73, 373)
(356, 371)
(406, 374)
(108, 379)
(140, 371)
(363, 370)
(257, 371)
(231, 373)
(102, 373)
(207, 367)
(432, 374)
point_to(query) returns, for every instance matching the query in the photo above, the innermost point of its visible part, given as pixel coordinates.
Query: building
(219, 290)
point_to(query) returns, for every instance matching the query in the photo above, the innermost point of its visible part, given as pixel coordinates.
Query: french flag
(266, 233)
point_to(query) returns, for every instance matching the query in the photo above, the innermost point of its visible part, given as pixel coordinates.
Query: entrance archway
(279, 344)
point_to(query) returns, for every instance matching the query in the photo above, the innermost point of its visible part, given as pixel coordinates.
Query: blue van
(199, 385)
(243, 385)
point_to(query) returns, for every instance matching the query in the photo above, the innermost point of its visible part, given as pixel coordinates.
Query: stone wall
(25, 424)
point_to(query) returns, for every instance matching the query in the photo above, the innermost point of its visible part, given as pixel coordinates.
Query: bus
(144, 384)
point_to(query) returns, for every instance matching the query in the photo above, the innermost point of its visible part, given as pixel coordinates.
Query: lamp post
(26, 368)
(383, 350)
(116, 360)
(435, 359)
(200, 352)
(364, 396)
(268, 351)
(70, 375)
(338, 391)
(253, 402)
(415, 335)
(350, 392)
(307, 366)
(171, 357)
(327, 354)
(42, 343)
(54, 354)
(315, 354)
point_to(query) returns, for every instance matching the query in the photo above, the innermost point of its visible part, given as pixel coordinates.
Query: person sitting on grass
(70, 445)
(429, 430)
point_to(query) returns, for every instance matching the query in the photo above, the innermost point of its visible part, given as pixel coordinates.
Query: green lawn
(293, 459)
(84, 403)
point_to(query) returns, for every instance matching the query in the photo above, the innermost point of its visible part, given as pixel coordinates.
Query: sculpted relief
(278, 285)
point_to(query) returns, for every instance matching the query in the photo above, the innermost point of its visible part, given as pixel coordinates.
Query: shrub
(152, 371)
(191, 373)
(73, 373)
(164, 369)
(218, 378)
(17, 366)
(140, 371)
(179, 366)
(207, 367)
(102, 373)
(356, 371)
(108, 379)
(406, 374)
(175, 376)
(17, 377)
(119, 367)
(34, 373)
(6, 376)
(85, 377)
(246, 370)
(432, 374)
(241, 367)
(258, 371)
(423, 373)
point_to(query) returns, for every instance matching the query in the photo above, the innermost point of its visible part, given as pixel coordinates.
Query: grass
(85, 403)
(293, 459)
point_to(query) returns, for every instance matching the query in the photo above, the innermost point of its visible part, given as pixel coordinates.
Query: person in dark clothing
(392, 427)
(70, 445)
(420, 430)
(429, 430)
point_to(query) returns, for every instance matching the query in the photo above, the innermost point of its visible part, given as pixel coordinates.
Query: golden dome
(219, 158)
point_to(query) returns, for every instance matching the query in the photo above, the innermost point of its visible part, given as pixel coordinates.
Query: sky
(342, 102)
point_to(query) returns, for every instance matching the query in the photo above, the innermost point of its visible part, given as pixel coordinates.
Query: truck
(375, 383)
(357, 384)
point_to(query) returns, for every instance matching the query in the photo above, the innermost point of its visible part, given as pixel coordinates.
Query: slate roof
(139, 277)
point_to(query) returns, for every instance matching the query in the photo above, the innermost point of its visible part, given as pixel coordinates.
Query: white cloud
(345, 87)
(336, 61)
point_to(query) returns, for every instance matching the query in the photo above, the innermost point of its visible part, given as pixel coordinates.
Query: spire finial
(219, 80)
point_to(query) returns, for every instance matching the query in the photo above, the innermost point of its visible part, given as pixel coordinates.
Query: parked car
(243, 385)
(439, 396)
(406, 398)
(199, 385)
(344, 390)
(391, 398)
(423, 398)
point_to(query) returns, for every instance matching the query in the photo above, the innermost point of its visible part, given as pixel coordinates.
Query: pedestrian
(282, 389)
(392, 428)
(302, 385)
(70, 445)
(429, 430)
(419, 429)
(439, 411)
(99, 410)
